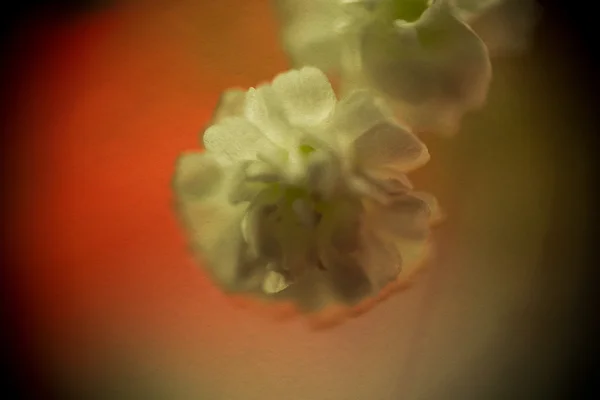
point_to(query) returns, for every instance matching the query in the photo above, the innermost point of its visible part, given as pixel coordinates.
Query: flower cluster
(302, 194)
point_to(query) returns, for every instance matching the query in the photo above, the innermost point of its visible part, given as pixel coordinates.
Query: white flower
(422, 55)
(301, 197)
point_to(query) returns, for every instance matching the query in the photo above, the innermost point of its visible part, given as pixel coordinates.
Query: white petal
(260, 225)
(261, 171)
(274, 282)
(407, 217)
(389, 180)
(239, 187)
(389, 145)
(323, 173)
(234, 139)
(314, 41)
(263, 109)
(381, 261)
(342, 271)
(214, 227)
(435, 212)
(414, 252)
(310, 31)
(197, 175)
(306, 95)
(365, 188)
(357, 113)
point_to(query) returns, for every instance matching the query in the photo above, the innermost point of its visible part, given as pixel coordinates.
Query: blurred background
(103, 301)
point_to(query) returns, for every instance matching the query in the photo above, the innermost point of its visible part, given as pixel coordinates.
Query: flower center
(306, 149)
(298, 206)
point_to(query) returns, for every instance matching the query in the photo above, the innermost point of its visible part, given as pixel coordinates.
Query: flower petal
(197, 175)
(306, 95)
(357, 113)
(309, 32)
(345, 276)
(214, 227)
(435, 212)
(389, 145)
(239, 187)
(388, 180)
(381, 261)
(407, 217)
(260, 226)
(274, 282)
(414, 253)
(263, 109)
(342, 271)
(313, 41)
(234, 139)
(323, 173)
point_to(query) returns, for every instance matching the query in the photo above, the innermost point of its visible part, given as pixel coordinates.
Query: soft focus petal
(260, 225)
(214, 228)
(239, 187)
(435, 212)
(274, 282)
(467, 8)
(505, 26)
(414, 253)
(322, 173)
(197, 175)
(342, 271)
(358, 112)
(312, 31)
(407, 217)
(234, 139)
(306, 96)
(389, 145)
(446, 121)
(314, 41)
(260, 171)
(345, 276)
(388, 180)
(382, 262)
(437, 59)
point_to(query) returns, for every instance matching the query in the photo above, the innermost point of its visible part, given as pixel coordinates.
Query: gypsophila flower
(301, 197)
(422, 55)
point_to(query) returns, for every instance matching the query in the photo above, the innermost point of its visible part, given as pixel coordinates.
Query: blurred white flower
(422, 55)
(301, 197)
